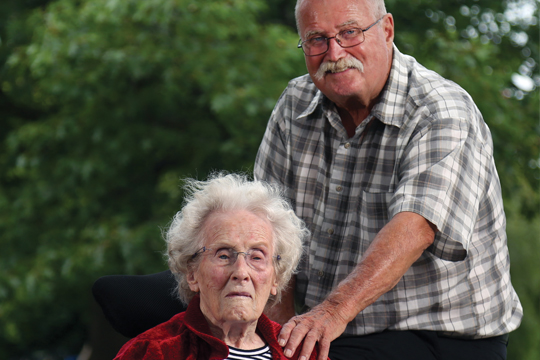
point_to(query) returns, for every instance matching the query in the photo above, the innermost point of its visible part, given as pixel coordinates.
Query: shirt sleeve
(443, 174)
(273, 161)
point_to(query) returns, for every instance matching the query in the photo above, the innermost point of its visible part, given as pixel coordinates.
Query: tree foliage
(107, 104)
(125, 97)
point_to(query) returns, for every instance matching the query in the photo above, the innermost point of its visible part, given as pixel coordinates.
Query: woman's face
(235, 291)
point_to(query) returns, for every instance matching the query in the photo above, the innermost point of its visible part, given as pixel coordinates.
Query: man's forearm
(395, 248)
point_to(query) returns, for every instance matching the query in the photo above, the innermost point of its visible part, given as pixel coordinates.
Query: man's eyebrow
(348, 23)
(313, 32)
(319, 32)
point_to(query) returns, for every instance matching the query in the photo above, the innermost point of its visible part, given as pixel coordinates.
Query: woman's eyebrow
(218, 244)
(224, 244)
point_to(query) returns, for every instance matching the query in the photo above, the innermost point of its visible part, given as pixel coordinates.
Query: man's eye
(315, 41)
(350, 33)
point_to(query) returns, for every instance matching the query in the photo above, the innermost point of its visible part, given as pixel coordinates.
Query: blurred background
(105, 105)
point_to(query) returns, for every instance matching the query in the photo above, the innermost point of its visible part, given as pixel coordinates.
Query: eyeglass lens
(255, 258)
(347, 38)
(318, 45)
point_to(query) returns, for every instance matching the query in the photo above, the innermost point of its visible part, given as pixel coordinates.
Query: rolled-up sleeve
(442, 176)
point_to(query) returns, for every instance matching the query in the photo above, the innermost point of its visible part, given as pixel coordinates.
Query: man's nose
(335, 51)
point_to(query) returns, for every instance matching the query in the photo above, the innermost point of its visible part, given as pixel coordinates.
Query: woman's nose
(240, 268)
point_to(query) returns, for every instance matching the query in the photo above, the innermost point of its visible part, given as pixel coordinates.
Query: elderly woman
(232, 248)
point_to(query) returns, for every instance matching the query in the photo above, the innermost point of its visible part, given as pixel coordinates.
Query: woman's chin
(240, 313)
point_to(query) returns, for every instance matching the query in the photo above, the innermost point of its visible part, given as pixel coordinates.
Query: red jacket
(187, 336)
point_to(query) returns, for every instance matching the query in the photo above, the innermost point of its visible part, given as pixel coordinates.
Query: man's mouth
(334, 71)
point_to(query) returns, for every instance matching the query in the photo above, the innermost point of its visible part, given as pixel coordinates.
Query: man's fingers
(295, 337)
(324, 349)
(285, 332)
(311, 328)
(309, 343)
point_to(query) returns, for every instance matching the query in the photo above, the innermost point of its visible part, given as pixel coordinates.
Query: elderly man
(391, 167)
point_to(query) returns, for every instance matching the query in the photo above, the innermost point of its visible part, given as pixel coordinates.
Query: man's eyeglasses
(318, 45)
(255, 258)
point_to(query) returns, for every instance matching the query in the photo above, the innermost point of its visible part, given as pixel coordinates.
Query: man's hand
(321, 324)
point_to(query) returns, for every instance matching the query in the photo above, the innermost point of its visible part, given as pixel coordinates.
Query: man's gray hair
(377, 7)
(225, 193)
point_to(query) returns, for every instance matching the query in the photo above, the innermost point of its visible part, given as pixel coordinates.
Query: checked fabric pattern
(424, 148)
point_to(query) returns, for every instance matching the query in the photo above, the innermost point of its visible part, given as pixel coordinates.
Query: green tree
(125, 98)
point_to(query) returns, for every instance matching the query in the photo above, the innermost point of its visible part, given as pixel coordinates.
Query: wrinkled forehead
(314, 15)
(240, 230)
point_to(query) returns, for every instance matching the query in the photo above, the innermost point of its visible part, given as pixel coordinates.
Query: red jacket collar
(197, 323)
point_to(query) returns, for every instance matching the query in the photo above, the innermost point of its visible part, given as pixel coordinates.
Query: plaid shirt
(424, 148)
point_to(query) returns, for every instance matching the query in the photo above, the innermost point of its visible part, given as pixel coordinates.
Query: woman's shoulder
(149, 344)
(169, 328)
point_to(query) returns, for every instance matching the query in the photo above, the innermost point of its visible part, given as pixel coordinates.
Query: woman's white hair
(377, 7)
(231, 192)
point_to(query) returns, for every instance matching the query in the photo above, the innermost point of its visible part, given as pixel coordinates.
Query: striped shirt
(424, 148)
(262, 353)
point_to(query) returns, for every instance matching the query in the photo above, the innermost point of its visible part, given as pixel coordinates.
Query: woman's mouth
(239, 294)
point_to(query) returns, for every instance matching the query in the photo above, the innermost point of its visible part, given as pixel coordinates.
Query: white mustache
(338, 66)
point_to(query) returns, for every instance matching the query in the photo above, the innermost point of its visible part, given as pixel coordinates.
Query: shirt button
(330, 231)
(321, 273)
(338, 188)
(347, 145)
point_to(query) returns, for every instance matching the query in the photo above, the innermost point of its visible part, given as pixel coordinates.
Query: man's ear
(192, 281)
(388, 26)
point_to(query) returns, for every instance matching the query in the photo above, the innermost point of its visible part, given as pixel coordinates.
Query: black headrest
(136, 303)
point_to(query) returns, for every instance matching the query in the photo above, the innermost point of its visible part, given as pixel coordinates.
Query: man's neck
(351, 119)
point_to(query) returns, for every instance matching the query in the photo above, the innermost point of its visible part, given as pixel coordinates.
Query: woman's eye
(223, 254)
(257, 256)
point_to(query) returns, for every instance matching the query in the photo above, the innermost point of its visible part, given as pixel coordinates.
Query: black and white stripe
(262, 353)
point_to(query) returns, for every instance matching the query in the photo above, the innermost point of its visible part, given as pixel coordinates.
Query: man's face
(350, 87)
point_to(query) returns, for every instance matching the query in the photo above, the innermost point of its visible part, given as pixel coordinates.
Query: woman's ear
(192, 281)
(273, 290)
